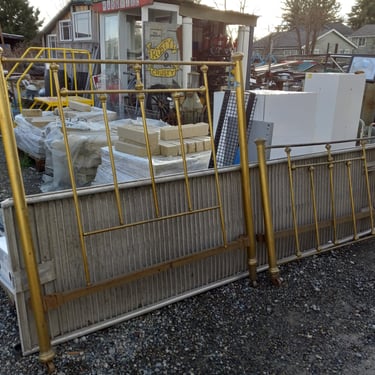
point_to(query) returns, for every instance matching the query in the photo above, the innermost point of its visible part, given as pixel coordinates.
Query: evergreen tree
(307, 18)
(18, 17)
(363, 13)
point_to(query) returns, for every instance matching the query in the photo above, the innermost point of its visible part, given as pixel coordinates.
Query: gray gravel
(320, 321)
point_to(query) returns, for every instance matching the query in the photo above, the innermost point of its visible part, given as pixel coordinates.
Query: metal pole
(270, 237)
(46, 354)
(244, 162)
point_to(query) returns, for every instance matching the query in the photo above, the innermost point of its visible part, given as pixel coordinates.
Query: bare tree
(307, 18)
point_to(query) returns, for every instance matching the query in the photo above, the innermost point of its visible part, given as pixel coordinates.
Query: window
(65, 27)
(51, 41)
(360, 42)
(82, 25)
(290, 52)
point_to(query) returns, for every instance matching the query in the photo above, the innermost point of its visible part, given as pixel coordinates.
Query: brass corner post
(46, 353)
(244, 162)
(270, 237)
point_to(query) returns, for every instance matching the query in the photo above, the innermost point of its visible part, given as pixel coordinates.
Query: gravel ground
(320, 321)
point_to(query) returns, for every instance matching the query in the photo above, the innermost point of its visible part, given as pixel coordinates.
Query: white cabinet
(339, 102)
(293, 117)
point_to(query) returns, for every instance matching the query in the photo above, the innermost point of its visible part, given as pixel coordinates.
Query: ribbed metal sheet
(120, 252)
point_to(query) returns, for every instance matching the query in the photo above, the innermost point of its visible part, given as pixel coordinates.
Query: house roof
(13, 36)
(51, 24)
(288, 39)
(367, 30)
(203, 12)
(340, 35)
(338, 26)
(187, 8)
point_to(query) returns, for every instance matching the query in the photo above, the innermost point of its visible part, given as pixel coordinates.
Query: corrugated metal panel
(123, 251)
(120, 252)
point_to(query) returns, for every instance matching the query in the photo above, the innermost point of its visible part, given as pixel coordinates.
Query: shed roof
(187, 9)
(197, 11)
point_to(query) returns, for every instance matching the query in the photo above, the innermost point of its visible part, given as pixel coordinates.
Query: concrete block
(190, 145)
(199, 145)
(32, 112)
(134, 133)
(188, 131)
(171, 148)
(135, 148)
(206, 142)
(79, 106)
(41, 121)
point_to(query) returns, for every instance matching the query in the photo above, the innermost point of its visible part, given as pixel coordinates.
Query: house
(364, 38)
(10, 40)
(168, 30)
(73, 27)
(333, 38)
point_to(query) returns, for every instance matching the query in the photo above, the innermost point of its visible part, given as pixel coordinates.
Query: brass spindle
(315, 212)
(293, 201)
(54, 69)
(332, 191)
(348, 168)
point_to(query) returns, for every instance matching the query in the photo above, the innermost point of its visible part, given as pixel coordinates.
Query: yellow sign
(164, 72)
(165, 45)
(161, 51)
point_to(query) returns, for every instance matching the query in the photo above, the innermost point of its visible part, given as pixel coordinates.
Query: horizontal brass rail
(115, 62)
(322, 225)
(148, 221)
(53, 301)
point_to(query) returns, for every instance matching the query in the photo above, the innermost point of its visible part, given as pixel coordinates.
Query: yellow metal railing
(44, 55)
(308, 206)
(42, 303)
(16, 181)
(304, 186)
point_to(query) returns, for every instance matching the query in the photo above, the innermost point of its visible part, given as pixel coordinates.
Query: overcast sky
(269, 11)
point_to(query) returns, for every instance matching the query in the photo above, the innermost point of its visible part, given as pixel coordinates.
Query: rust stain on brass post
(244, 161)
